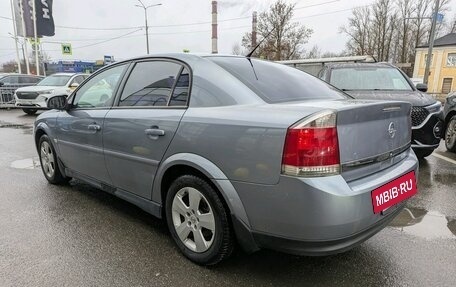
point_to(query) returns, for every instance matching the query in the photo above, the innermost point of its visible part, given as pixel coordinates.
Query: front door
(79, 130)
(139, 128)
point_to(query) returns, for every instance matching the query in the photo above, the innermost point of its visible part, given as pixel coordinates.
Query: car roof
(178, 56)
(359, 65)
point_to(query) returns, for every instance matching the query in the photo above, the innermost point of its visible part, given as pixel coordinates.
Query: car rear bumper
(310, 216)
(316, 248)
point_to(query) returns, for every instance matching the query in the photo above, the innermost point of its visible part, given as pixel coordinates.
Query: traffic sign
(66, 49)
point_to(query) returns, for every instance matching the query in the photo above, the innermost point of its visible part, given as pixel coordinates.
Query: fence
(313, 66)
(7, 96)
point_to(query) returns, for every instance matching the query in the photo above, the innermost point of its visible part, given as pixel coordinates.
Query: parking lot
(76, 235)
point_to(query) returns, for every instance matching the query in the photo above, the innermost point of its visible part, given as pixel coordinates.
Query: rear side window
(152, 83)
(180, 93)
(276, 83)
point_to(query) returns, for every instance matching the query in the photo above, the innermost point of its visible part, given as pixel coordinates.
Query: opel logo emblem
(391, 130)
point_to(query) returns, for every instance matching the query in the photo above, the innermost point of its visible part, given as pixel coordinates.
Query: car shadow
(349, 268)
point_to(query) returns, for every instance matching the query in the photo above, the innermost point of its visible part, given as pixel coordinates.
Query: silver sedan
(233, 149)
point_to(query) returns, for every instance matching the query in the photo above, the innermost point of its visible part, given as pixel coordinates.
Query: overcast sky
(175, 25)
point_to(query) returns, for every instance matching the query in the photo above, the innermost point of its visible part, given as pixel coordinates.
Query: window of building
(446, 85)
(451, 60)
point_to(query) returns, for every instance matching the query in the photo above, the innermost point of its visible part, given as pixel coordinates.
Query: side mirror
(1, 84)
(57, 102)
(421, 87)
(74, 85)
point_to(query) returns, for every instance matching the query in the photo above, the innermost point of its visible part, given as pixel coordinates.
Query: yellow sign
(66, 49)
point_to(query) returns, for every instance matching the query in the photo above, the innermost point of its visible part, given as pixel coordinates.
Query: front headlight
(434, 108)
(45, 92)
(452, 99)
(41, 98)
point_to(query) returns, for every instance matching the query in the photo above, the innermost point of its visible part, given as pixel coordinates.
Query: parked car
(231, 148)
(385, 82)
(9, 82)
(450, 122)
(34, 98)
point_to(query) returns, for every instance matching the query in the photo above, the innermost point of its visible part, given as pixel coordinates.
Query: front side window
(369, 78)
(99, 91)
(151, 84)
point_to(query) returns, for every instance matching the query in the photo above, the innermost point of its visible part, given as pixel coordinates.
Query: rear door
(79, 130)
(139, 129)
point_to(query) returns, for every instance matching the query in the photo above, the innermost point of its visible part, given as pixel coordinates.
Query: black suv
(383, 81)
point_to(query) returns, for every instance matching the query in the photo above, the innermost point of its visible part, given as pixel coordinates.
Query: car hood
(416, 98)
(37, 88)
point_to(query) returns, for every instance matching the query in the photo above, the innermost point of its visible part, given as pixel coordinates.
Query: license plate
(394, 192)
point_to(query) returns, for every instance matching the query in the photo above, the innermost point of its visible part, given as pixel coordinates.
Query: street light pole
(431, 42)
(145, 18)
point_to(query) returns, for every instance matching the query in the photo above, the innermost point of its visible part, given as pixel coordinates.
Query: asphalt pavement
(76, 235)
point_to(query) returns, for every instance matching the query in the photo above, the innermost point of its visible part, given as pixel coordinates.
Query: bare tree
(313, 53)
(392, 29)
(236, 49)
(358, 30)
(287, 37)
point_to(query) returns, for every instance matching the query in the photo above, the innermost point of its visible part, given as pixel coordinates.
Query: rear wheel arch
(178, 170)
(186, 163)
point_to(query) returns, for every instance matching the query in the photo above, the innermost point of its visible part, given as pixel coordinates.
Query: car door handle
(154, 133)
(94, 127)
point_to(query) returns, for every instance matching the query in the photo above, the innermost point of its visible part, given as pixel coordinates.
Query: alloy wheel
(450, 137)
(47, 159)
(193, 219)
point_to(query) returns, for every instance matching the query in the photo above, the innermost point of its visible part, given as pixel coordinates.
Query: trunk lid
(372, 135)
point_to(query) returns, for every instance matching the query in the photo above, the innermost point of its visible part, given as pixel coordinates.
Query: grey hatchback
(232, 149)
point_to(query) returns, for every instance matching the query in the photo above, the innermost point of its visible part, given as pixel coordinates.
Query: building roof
(447, 40)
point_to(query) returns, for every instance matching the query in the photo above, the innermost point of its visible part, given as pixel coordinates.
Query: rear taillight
(311, 147)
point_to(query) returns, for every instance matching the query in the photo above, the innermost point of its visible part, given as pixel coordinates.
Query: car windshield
(54, 80)
(369, 78)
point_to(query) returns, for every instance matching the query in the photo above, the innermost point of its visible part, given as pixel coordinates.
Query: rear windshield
(276, 83)
(369, 78)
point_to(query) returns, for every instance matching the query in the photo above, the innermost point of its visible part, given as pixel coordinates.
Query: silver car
(233, 149)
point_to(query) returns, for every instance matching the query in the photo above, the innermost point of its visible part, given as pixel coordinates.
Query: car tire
(422, 153)
(450, 134)
(30, 111)
(48, 160)
(190, 201)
